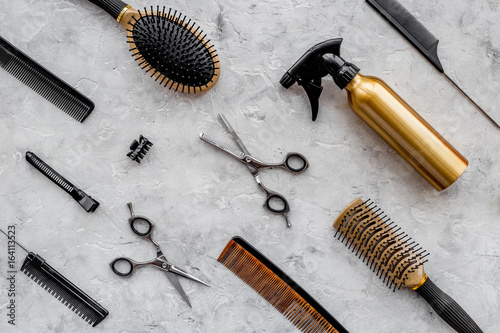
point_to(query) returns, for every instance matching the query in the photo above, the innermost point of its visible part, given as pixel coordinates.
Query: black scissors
(275, 202)
(125, 266)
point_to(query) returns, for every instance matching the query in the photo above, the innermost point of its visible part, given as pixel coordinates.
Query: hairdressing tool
(86, 201)
(36, 268)
(43, 82)
(270, 282)
(123, 266)
(139, 149)
(396, 258)
(174, 51)
(275, 202)
(418, 35)
(382, 109)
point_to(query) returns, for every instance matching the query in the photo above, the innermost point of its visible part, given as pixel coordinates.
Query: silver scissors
(125, 266)
(275, 202)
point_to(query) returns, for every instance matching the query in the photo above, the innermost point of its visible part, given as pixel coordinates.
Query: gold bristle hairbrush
(396, 258)
(166, 45)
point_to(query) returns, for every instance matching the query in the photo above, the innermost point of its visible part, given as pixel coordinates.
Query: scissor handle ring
(135, 219)
(282, 199)
(121, 273)
(301, 157)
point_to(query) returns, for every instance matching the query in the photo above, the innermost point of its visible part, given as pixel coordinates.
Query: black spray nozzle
(317, 62)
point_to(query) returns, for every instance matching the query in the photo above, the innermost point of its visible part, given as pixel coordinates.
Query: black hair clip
(139, 149)
(85, 200)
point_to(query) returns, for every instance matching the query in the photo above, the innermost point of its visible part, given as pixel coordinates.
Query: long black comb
(86, 201)
(61, 288)
(44, 82)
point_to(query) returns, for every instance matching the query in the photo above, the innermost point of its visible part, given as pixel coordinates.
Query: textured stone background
(200, 198)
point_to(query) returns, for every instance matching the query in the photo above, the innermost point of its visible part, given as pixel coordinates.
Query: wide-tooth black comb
(396, 258)
(61, 288)
(139, 149)
(276, 287)
(86, 201)
(44, 82)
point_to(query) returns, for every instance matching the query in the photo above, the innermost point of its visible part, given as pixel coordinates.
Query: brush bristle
(389, 252)
(274, 289)
(173, 50)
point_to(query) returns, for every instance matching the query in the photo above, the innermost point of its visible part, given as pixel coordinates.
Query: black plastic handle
(117, 261)
(139, 219)
(447, 308)
(275, 197)
(296, 156)
(113, 7)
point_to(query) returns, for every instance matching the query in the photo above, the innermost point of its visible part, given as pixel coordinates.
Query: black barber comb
(44, 82)
(167, 46)
(139, 149)
(86, 201)
(36, 268)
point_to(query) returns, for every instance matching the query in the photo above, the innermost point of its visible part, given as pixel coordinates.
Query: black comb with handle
(36, 268)
(61, 288)
(418, 35)
(86, 201)
(44, 82)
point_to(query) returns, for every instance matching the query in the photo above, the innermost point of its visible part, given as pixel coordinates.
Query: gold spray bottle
(382, 109)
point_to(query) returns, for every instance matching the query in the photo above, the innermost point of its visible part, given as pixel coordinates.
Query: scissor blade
(180, 271)
(222, 146)
(175, 282)
(231, 131)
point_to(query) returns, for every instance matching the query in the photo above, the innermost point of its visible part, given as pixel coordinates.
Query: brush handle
(113, 7)
(447, 308)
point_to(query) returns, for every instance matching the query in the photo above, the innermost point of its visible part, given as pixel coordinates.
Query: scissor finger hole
(276, 204)
(140, 226)
(296, 162)
(122, 267)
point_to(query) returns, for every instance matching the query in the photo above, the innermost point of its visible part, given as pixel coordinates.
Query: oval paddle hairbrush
(396, 258)
(174, 51)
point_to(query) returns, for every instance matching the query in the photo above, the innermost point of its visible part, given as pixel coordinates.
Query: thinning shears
(293, 162)
(123, 266)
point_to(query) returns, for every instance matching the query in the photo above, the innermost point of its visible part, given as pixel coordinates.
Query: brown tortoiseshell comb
(396, 258)
(277, 288)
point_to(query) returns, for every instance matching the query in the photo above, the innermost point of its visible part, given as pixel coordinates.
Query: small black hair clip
(139, 149)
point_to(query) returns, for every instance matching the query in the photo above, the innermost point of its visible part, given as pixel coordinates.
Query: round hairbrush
(166, 45)
(396, 258)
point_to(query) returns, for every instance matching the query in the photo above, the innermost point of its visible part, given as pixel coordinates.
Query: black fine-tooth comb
(36, 268)
(86, 201)
(395, 257)
(139, 149)
(44, 82)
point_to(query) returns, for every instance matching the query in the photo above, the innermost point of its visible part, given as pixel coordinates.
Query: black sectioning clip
(139, 149)
(85, 200)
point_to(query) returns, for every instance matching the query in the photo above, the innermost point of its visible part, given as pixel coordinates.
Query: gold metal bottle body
(405, 131)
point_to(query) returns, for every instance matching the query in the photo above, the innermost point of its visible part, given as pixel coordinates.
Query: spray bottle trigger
(313, 90)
